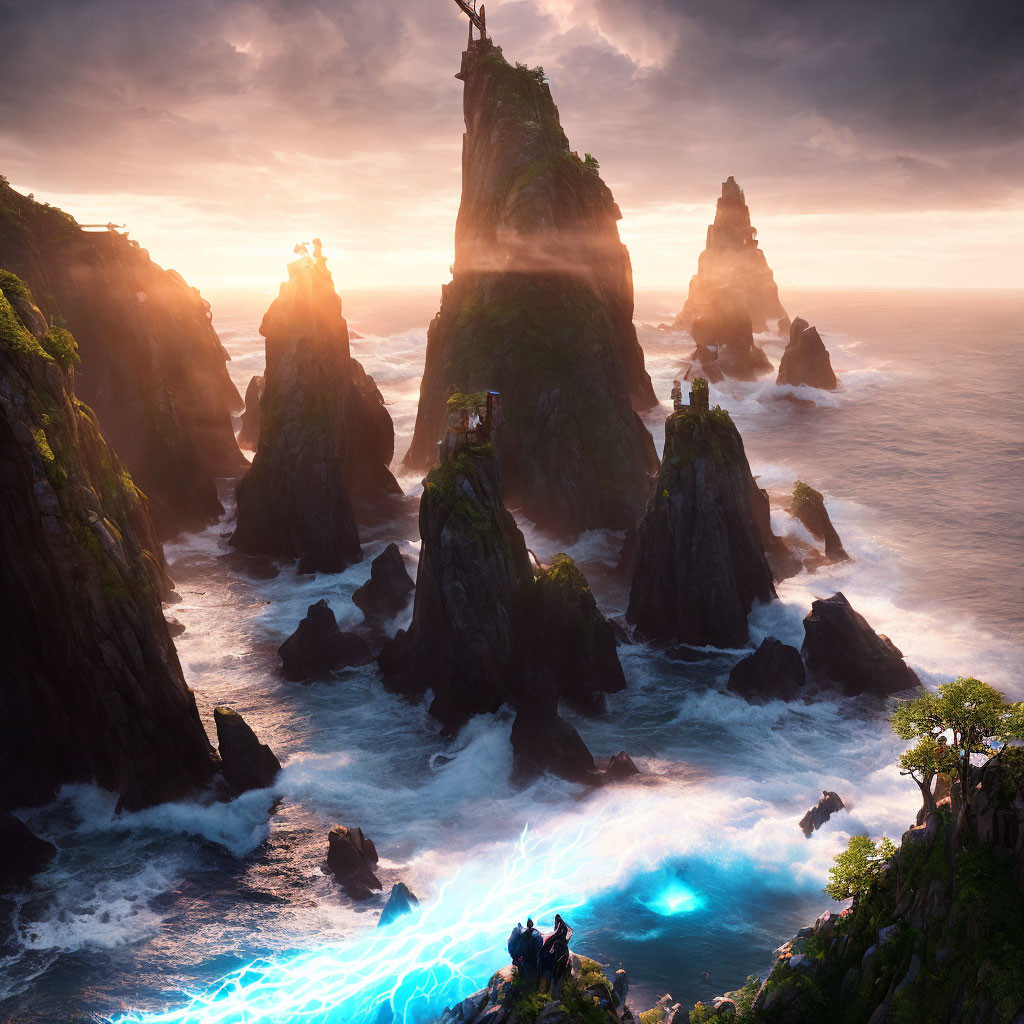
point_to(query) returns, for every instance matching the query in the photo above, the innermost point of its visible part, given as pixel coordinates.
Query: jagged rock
(809, 508)
(572, 639)
(351, 858)
(484, 631)
(725, 341)
(22, 853)
(92, 687)
(840, 645)
(153, 367)
(540, 308)
(621, 766)
(700, 560)
(401, 901)
(387, 590)
(544, 741)
(473, 595)
(249, 430)
(806, 359)
(326, 439)
(773, 672)
(821, 812)
(246, 763)
(732, 261)
(997, 809)
(319, 647)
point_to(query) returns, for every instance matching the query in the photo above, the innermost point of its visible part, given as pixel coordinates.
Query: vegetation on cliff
(93, 689)
(540, 308)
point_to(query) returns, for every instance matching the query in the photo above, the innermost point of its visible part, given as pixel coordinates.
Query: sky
(880, 142)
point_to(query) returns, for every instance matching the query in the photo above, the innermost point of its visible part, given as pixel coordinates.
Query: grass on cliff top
(564, 572)
(689, 440)
(472, 402)
(23, 214)
(804, 494)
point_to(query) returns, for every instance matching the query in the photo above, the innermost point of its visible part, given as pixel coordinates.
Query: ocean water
(698, 867)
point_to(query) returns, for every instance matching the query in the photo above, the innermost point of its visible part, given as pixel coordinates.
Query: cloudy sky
(880, 142)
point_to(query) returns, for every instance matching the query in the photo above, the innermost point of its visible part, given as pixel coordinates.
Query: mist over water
(698, 866)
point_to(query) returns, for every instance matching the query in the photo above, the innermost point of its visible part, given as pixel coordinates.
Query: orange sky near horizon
(941, 249)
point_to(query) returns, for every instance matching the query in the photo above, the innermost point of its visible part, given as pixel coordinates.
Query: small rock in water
(401, 901)
(22, 853)
(621, 766)
(351, 858)
(246, 763)
(319, 647)
(774, 671)
(387, 590)
(821, 812)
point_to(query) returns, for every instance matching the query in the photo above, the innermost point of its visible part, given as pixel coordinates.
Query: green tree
(975, 714)
(858, 867)
(922, 762)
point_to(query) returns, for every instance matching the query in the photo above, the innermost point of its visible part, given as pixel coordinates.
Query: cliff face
(700, 561)
(325, 437)
(540, 308)
(733, 262)
(935, 938)
(486, 630)
(92, 688)
(152, 366)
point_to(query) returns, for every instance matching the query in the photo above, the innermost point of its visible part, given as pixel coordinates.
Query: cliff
(152, 366)
(486, 630)
(325, 438)
(700, 562)
(732, 262)
(92, 685)
(724, 338)
(932, 937)
(540, 308)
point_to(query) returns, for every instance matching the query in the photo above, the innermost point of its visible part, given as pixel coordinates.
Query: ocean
(687, 878)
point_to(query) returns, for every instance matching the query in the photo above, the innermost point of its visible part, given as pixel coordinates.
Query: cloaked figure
(524, 947)
(553, 962)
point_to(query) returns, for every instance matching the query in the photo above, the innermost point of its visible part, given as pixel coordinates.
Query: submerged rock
(249, 431)
(387, 590)
(773, 672)
(839, 644)
(153, 367)
(806, 359)
(809, 508)
(352, 858)
(540, 308)
(246, 763)
(22, 853)
(92, 687)
(401, 901)
(326, 438)
(732, 262)
(828, 805)
(319, 647)
(484, 629)
(700, 561)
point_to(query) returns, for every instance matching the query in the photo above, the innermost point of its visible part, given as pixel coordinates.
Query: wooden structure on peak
(479, 19)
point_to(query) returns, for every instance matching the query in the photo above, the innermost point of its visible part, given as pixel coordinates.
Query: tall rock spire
(540, 308)
(732, 262)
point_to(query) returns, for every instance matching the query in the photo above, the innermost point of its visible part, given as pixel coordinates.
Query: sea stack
(92, 686)
(487, 628)
(326, 439)
(153, 368)
(249, 428)
(700, 561)
(732, 263)
(540, 308)
(806, 360)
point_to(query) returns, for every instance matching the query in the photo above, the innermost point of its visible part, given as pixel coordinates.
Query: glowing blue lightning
(675, 898)
(412, 970)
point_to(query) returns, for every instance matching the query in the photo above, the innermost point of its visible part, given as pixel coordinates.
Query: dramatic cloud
(222, 129)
